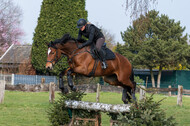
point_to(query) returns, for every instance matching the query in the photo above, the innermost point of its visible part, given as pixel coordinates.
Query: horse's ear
(50, 44)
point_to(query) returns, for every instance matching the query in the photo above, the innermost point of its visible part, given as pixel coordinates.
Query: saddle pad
(109, 54)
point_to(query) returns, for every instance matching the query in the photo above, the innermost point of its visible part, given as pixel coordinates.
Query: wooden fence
(180, 91)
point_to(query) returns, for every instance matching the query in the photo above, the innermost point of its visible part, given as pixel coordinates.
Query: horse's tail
(133, 79)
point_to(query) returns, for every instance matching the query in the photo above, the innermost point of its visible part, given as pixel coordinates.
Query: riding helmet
(81, 22)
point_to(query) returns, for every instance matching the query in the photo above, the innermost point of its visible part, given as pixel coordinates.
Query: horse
(118, 73)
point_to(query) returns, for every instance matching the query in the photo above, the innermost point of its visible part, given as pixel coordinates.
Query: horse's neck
(69, 48)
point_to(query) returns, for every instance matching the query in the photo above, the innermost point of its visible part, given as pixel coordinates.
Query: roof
(16, 54)
(144, 72)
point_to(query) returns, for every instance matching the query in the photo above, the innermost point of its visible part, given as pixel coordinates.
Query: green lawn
(29, 109)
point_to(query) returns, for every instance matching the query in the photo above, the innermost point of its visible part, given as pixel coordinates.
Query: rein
(75, 54)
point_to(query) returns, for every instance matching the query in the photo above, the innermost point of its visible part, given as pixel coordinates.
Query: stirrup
(104, 65)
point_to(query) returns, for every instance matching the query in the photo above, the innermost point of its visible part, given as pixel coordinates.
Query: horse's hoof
(66, 90)
(125, 102)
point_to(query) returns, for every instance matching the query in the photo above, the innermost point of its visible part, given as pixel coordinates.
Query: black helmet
(81, 22)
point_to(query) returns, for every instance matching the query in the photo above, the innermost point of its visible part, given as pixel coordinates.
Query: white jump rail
(119, 108)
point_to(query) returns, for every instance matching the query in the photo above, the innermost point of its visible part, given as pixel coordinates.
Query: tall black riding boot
(102, 55)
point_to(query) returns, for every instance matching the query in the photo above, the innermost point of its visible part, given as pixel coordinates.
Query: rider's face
(82, 28)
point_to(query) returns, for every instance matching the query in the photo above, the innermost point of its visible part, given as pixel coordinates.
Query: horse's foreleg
(70, 80)
(61, 84)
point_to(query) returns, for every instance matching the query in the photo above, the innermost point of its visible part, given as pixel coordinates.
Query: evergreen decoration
(58, 114)
(145, 113)
(57, 17)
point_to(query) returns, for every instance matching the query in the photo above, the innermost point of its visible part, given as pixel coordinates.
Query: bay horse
(118, 73)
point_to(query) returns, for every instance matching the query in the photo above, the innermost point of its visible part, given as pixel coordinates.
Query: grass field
(29, 109)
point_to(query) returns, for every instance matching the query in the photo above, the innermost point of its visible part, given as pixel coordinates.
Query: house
(17, 60)
(168, 77)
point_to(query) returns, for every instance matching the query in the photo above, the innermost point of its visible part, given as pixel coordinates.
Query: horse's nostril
(49, 66)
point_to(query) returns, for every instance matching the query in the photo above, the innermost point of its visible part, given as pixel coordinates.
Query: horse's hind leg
(134, 84)
(70, 80)
(133, 91)
(129, 83)
(126, 94)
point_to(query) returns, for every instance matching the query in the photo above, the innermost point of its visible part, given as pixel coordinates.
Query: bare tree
(109, 38)
(10, 19)
(138, 7)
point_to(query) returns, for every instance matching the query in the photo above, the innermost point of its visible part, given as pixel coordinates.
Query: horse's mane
(66, 37)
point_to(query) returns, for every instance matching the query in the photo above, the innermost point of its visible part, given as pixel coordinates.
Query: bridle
(73, 54)
(55, 59)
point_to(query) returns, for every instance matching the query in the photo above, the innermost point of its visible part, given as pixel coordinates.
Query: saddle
(109, 54)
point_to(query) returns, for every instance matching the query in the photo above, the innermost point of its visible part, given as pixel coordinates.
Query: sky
(110, 14)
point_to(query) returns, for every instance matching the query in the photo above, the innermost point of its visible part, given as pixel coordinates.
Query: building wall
(168, 77)
(23, 69)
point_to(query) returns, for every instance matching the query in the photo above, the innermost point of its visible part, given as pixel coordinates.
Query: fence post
(55, 79)
(169, 93)
(42, 84)
(2, 91)
(36, 79)
(98, 116)
(98, 93)
(146, 81)
(142, 92)
(12, 79)
(51, 92)
(179, 96)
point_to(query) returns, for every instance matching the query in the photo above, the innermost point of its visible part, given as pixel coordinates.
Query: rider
(93, 34)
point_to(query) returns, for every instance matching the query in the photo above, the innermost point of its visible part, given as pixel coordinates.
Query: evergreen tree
(155, 40)
(56, 18)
